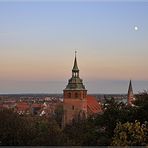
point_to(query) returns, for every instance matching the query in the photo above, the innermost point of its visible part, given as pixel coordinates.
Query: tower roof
(75, 82)
(130, 89)
(130, 95)
(75, 66)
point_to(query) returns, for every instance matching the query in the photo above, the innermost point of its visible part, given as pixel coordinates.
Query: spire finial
(75, 53)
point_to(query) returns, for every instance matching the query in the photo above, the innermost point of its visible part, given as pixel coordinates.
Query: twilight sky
(38, 40)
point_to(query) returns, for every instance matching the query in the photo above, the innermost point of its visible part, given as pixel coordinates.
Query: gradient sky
(38, 40)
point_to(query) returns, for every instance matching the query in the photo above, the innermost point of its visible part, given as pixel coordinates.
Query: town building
(77, 104)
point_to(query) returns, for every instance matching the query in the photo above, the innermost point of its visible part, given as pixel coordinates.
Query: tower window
(84, 94)
(73, 107)
(69, 95)
(76, 95)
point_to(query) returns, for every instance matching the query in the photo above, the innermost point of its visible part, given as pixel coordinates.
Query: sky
(38, 40)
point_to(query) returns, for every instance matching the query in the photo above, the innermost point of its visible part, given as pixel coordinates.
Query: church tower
(75, 97)
(130, 96)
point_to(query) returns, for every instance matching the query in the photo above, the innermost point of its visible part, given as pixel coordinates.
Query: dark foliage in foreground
(99, 130)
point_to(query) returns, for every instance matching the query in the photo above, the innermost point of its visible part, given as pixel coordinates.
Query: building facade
(75, 97)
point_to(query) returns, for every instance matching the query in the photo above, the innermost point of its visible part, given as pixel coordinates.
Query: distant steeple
(130, 89)
(130, 94)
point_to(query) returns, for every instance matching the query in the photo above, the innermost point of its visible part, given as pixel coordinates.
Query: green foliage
(141, 99)
(47, 132)
(142, 106)
(114, 112)
(58, 116)
(116, 126)
(14, 130)
(108, 120)
(81, 133)
(17, 130)
(130, 134)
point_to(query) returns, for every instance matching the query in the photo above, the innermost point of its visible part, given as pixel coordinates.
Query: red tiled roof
(22, 103)
(36, 105)
(22, 106)
(93, 106)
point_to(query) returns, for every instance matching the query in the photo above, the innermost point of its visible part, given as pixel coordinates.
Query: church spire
(130, 89)
(130, 93)
(75, 66)
(75, 82)
(75, 70)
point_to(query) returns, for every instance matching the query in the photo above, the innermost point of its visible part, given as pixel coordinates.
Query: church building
(77, 104)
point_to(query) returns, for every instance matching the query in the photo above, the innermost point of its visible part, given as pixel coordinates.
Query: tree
(114, 112)
(109, 119)
(18, 130)
(14, 130)
(81, 133)
(130, 134)
(141, 103)
(58, 114)
(47, 131)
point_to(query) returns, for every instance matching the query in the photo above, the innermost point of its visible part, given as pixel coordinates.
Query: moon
(136, 28)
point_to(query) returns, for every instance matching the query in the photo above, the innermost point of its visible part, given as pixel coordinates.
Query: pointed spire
(130, 93)
(75, 82)
(130, 89)
(75, 67)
